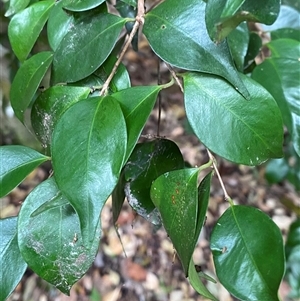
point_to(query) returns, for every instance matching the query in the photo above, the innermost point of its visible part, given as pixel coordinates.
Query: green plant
(89, 120)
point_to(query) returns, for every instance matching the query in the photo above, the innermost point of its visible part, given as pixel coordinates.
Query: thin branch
(211, 157)
(139, 21)
(175, 77)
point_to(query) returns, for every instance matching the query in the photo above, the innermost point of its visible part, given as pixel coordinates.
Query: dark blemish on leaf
(173, 200)
(163, 26)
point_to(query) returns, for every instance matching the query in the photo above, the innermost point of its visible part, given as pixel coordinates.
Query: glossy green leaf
(173, 29)
(12, 263)
(197, 283)
(15, 6)
(255, 44)
(121, 79)
(248, 254)
(246, 132)
(203, 199)
(17, 162)
(292, 249)
(118, 197)
(280, 74)
(286, 33)
(276, 170)
(87, 162)
(27, 81)
(147, 162)
(25, 27)
(51, 242)
(59, 23)
(50, 106)
(85, 47)
(176, 197)
(222, 16)
(288, 18)
(238, 41)
(137, 104)
(80, 5)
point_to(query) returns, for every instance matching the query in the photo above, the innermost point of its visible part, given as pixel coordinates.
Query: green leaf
(176, 197)
(12, 263)
(85, 47)
(279, 74)
(27, 81)
(238, 41)
(288, 18)
(87, 162)
(121, 79)
(59, 23)
(15, 6)
(255, 44)
(25, 27)
(197, 283)
(50, 106)
(245, 132)
(147, 162)
(276, 170)
(51, 242)
(80, 5)
(247, 249)
(137, 104)
(286, 33)
(292, 249)
(222, 16)
(118, 197)
(181, 28)
(17, 162)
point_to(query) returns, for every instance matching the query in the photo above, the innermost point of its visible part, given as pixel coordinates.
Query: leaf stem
(175, 77)
(139, 21)
(227, 197)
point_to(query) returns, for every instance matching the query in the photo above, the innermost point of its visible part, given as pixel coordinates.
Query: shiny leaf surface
(279, 74)
(246, 132)
(137, 104)
(197, 283)
(17, 162)
(50, 106)
(148, 161)
(87, 165)
(59, 23)
(247, 249)
(51, 242)
(27, 81)
(222, 16)
(13, 265)
(80, 5)
(238, 41)
(15, 6)
(85, 47)
(25, 27)
(171, 28)
(176, 197)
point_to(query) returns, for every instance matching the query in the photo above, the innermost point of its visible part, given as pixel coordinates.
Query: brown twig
(211, 157)
(175, 77)
(139, 21)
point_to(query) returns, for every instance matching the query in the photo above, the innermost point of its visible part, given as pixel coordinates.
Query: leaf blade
(242, 130)
(25, 27)
(243, 256)
(16, 163)
(94, 157)
(13, 265)
(84, 43)
(27, 80)
(175, 25)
